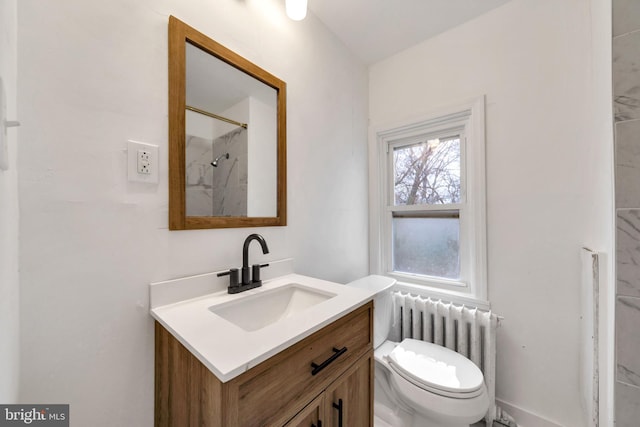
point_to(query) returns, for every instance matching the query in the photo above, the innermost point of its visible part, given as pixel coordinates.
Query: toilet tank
(380, 286)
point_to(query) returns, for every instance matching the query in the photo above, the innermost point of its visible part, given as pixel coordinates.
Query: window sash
(424, 245)
(463, 250)
(448, 133)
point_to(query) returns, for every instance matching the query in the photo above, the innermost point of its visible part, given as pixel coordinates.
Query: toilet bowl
(419, 384)
(442, 387)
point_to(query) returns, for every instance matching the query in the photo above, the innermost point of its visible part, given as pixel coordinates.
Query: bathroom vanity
(310, 366)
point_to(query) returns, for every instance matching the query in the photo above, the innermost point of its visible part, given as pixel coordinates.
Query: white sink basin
(255, 311)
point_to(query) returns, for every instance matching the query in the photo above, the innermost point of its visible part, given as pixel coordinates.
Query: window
(431, 223)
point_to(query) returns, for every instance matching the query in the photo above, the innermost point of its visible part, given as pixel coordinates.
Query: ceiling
(377, 29)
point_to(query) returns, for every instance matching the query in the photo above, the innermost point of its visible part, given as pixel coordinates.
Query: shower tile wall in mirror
(217, 174)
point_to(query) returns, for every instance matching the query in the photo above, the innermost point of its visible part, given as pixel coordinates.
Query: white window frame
(466, 120)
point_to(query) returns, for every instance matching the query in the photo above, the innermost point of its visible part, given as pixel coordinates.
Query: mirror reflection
(230, 140)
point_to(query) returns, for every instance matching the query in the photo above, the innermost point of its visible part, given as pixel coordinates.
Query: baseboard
(525, 418)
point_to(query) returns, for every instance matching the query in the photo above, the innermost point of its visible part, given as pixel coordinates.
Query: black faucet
(245, 259)
(248, 281)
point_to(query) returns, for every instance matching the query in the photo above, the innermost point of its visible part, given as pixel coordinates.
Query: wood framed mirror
(227, 137)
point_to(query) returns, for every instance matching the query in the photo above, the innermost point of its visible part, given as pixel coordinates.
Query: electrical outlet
(142, 162)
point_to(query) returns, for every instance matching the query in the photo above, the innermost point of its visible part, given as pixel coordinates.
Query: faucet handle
(233, 277)
(255, 272)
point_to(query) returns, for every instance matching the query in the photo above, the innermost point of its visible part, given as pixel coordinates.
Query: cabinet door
(349, 400)
(288, 381)
(310, 416)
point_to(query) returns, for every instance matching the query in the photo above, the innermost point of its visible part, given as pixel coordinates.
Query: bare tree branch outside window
(427, 172)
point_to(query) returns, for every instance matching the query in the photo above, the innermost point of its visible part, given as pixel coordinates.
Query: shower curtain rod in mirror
(215, 116)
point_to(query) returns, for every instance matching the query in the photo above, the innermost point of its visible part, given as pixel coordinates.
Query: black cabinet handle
(319, 424)
(338, 406)
(337, 353)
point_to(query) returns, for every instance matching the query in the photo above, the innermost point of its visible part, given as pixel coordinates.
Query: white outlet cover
(4, 149)
(132, 162)
(144, 162)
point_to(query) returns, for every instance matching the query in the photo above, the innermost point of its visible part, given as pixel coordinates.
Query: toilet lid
(435, 367)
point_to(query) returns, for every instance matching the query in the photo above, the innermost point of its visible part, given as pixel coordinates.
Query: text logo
(34, 415)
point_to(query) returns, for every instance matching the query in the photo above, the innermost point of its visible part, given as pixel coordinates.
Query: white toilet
(419, 384)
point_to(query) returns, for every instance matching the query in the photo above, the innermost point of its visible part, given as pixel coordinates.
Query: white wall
(548, 173)
(94, 74)
(9, 277)
(262, 175)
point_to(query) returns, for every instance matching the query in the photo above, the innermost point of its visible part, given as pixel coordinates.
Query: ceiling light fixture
(296, 9)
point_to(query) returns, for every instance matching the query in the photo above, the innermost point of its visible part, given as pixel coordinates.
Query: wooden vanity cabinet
(345, 403)
(296, 387)
(349, 397)
(311, 415)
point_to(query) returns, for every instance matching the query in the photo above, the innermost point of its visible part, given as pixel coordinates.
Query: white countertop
(228, 350)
